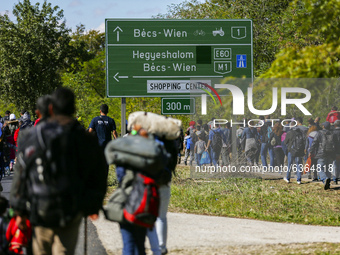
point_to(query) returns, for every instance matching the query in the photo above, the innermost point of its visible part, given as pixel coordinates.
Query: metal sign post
(123, 116)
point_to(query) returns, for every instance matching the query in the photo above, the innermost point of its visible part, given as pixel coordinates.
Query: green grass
(112, 182)
(268, 249)
(272, 200)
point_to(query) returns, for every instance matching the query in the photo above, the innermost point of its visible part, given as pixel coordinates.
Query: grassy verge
(272, 200)
(112, 182)
(279, 249)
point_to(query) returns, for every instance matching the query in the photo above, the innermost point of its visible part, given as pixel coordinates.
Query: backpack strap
(40, 137)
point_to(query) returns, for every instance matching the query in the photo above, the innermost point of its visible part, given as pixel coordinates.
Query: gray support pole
(123, 116)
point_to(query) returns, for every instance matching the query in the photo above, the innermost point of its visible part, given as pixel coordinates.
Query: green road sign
(178, 106)
(146, 58)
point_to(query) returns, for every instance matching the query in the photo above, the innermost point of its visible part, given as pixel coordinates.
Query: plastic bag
(308, 164)
(205, 159)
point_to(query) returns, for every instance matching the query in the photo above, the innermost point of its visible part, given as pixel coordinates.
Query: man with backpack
(295, 141)
(151, 152)
(215, 142)
(325, 148)
(59, 177)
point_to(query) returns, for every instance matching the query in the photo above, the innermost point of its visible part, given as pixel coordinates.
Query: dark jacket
(337, 135)
(309, 140)
(227, 134)
(88, 159)
(291, 136)
(264, 132)
(317, 145)
(249, 133)
(277, 138)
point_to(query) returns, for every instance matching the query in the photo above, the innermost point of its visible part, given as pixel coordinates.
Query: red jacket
(16, 134)
(17, 238)
(333, 116)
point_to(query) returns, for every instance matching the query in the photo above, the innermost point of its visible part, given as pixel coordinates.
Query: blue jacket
(249, 133)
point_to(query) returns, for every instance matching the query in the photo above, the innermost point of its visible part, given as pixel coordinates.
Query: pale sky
(92, 13)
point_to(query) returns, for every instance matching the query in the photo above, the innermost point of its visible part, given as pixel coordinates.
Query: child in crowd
(200, 147)
(19, 237)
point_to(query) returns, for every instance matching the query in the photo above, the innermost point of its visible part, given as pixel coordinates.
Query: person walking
(324, 148)
(226, 145)
(251, 137)
(188, 148)
(295, 141)
(199, 148)
(60, 176)
(266, 147)
(216, 138)
(312, 131)
(336, 163)
(275, 141)
(103, 126)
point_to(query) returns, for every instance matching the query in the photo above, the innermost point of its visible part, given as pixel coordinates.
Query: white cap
(12, 116)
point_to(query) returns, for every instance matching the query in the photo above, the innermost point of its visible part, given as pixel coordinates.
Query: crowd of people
(60, 176)
(292, 146)
(10, 126)
(56, 151)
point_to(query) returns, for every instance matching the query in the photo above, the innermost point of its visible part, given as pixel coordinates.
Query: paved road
(6, 184)
(188, 231)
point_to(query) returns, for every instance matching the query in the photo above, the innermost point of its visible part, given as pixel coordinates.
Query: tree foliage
(319, 21)
(272, 28)
(33, 50)
(320, 60)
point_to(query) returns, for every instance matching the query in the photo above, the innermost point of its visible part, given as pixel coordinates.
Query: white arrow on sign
(120, 77)
(117, 29)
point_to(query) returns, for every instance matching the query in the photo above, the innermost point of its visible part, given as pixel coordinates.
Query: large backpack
(50, 161)
(146, 155)
(194, 139)
(328, 143)
(137, 153)
(216, 142)
(136, 201)
(298, 144)
(141, 207)
(162, 126)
